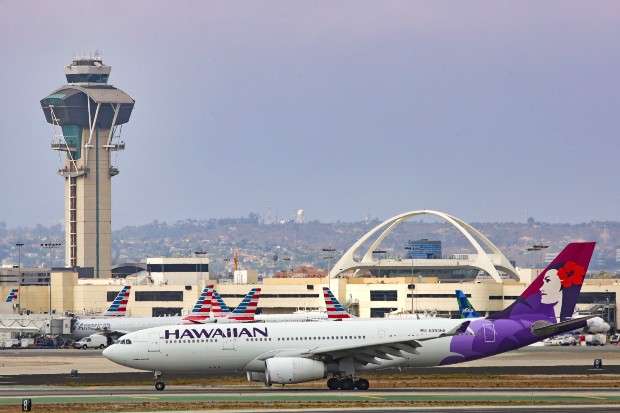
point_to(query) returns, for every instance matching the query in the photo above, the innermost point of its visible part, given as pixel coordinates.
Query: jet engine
(286, 370)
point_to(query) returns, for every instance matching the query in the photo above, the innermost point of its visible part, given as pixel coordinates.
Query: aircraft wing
(369, 352)
(543, 328)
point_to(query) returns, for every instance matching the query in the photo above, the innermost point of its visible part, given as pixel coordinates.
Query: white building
(178, 271)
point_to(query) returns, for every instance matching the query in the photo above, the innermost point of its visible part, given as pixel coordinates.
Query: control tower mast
(87, 115)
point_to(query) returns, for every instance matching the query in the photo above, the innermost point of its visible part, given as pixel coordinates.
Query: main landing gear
(347, 383)
(159, 383)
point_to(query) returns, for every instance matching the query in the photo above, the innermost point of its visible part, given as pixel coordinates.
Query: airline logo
(218, 306)
(215, 332)
(12, 296)
(119, 305)
(335, 310)
(247, 308)
(203, 304)
(202, 308)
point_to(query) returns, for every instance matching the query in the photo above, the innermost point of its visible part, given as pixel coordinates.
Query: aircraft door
(153, 346)
(489, 332)
(229, 343)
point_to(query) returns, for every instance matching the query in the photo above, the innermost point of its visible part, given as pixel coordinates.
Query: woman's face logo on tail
(551, 290)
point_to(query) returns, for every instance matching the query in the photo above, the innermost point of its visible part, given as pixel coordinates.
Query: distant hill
(278, 246)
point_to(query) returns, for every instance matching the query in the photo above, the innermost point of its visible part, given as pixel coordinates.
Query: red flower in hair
(571, 274)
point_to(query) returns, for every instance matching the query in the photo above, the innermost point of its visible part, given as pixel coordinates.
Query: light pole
(50, 247)
(200, 254)
(410, 249)
(538, 248)
(19, 246)
(380, 252)
(329, 257)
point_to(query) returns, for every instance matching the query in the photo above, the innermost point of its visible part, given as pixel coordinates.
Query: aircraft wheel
(333, 383)
(362, 384)
(347, 384)
(160, 386)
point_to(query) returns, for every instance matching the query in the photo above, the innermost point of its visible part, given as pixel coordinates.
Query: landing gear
(159, 383)
(362, 384)
(333, 383)
(347, 383)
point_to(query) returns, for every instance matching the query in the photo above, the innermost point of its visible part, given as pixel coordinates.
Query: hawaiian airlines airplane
(114, 327)
(12, 295)
(295, 352)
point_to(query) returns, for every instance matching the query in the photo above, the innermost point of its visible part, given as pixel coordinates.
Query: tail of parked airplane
(202, 308)
(465, 308)
(218, 306)
(543, 310)
(12, 295)
(246, 310)
(552, 296)
(335, 310)
(118, 308)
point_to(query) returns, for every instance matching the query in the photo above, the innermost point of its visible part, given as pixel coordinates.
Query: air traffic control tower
(87, 115)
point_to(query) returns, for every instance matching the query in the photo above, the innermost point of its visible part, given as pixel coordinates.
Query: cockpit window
(125, 341)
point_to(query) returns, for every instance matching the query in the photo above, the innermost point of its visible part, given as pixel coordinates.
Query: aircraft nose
(112, 353)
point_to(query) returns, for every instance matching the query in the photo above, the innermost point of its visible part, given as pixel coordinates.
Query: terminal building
(171, 286)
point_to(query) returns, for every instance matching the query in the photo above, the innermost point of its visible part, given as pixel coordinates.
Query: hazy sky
(490, 110)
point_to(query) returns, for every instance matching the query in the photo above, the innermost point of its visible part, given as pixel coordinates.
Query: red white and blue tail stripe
(12, 295)
(219, 308)
(335, 310)
(202, 308)
(246, 309)
(119, 305)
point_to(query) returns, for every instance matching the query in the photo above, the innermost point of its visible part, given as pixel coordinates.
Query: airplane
(114, 327)
(12, 295)
(296, 352)
(466, 310)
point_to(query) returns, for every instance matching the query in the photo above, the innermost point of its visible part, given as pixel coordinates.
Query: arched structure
(491, 260)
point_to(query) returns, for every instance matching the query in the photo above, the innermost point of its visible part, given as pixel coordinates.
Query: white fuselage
(235, 347)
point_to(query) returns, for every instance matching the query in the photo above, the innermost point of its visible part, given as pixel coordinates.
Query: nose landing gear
(347, 383)
(159, 383)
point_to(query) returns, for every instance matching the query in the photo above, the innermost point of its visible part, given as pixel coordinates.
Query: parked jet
(465, 308)
(12, 295)
(114, 327)
(295, 352)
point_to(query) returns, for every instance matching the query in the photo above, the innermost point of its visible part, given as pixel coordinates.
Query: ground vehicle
(615, 339)
(93, 341)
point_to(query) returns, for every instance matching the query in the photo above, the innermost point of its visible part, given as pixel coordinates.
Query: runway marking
(372, 397)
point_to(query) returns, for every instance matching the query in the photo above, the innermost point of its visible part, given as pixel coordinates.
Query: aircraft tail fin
(246, 309)
(202, 309)
(12, 295)
(118, 308)
(466, 310)
(218, 306)
(335, 310)
(552, 295)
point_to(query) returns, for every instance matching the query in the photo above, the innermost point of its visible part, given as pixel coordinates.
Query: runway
(194, 393)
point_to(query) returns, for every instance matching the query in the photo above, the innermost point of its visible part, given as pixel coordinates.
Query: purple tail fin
(554, 293)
